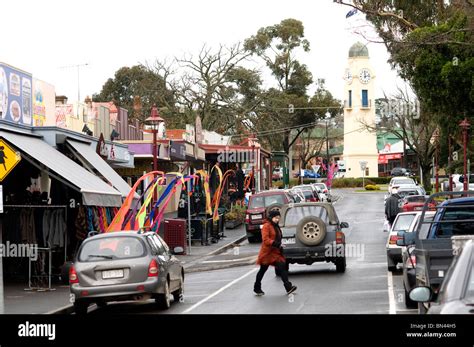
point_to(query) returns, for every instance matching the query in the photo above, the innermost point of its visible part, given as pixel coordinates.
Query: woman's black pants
(281, 269)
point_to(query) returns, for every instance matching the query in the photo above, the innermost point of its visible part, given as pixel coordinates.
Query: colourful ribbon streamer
(141, 215)
(119, 218)
(215, 215)
(205, 183)
(155, 224)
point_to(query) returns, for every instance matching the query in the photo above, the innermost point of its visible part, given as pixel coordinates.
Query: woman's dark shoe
(291, 290)
(257, 289)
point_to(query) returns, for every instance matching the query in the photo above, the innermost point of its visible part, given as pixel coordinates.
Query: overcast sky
(42, 37)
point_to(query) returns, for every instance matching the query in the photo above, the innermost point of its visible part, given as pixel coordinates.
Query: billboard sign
(15, 95)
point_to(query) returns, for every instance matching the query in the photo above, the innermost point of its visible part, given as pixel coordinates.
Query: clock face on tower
(348, 76)
(364, 76)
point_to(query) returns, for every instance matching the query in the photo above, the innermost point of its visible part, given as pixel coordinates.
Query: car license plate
(256, 216)
(290, 241)
(418, 208)
(112, 274)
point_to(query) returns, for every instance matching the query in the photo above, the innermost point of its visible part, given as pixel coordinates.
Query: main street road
(365, 287)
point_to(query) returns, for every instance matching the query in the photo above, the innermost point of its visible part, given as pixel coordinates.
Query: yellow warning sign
(8, 159)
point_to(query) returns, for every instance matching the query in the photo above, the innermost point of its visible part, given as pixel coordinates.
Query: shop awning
(86, 152)
(95, 192)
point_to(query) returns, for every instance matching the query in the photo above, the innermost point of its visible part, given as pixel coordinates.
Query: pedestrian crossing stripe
(8, 159)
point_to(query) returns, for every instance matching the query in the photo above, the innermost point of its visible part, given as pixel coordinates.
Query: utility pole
(327, 118)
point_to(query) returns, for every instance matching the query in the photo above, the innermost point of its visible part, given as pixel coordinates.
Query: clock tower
(360, 144)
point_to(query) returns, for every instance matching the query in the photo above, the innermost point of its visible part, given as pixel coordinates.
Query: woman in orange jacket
(271, 254)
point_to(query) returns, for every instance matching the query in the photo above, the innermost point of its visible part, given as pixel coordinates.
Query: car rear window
(295, 214)
(458, 226)
(404, 181)
(425, 227)
(404, 193)
(403, 222)
(266, 200)
(415, 199)
(110, 248)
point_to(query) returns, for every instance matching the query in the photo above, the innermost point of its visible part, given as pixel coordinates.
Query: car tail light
(247, 218)
(73, 275)
(411, 262)
(153, 269)
(393, 239)
(325, 191)
(340, 237)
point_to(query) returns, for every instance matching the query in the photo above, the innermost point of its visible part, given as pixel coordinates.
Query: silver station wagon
(123, 266)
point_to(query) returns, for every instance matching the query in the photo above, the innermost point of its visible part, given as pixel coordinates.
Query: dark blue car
(458, 211)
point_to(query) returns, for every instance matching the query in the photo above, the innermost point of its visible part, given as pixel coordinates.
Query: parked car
(405, 191)
(295, 196)
(409, 260)
(403, 222)
(323, 191)
(312, 233)
(458, 182)
(400, 182)
(307, 174)
(308, 192)
(456, 295)
(125, 265)
(415, 203)
(400, 171)
(259, 205)
(434, 254)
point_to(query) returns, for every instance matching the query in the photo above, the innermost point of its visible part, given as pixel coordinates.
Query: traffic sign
(8, 159)
(363, 165)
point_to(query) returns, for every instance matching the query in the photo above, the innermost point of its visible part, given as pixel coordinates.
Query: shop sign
(15, 95)
(102, 148)
(8, 159)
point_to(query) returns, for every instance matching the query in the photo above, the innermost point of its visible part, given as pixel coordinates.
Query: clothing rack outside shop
(43, 249)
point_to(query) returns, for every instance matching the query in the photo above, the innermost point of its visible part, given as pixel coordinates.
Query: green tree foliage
(277, 45)
(136, 81)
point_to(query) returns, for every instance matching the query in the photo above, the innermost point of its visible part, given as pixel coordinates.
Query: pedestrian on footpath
(271, 254)
(391, 206)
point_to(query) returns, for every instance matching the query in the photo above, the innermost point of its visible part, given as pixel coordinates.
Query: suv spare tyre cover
(311, 230)
(273, 207)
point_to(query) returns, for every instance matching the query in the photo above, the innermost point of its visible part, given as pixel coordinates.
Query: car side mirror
(344, 225)
(178, 250)
(421, 294)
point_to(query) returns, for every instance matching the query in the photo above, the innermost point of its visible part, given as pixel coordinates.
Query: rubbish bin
(175, 233)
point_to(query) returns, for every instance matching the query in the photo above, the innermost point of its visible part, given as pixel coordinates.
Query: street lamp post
(253, 165)
(436, 139)
(465, 125)
(154, 122)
